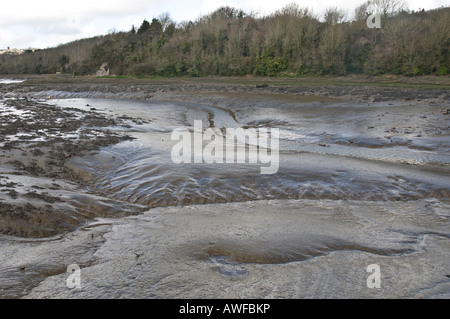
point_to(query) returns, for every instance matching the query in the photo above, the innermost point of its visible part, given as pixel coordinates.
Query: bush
(168, 70)
(143, 69)
(270, 65)
(443, 71)
(302, 70)
(195, 73)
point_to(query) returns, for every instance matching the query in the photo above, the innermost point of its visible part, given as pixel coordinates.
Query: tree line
(293, 41)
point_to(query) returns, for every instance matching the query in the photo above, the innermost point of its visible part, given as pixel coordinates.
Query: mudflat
(86, 178)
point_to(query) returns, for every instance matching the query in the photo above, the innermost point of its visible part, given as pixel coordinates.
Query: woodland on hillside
(230, 42)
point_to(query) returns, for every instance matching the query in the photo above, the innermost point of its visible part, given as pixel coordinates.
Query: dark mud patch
(32, 221)
(37, 140)
(292, 250)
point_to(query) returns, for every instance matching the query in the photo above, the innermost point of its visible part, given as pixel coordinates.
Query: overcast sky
(48, 23)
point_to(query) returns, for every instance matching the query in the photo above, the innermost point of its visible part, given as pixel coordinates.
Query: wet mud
(86, 177)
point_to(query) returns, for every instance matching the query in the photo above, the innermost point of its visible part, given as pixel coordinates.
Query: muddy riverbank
(37, 191)
(86, 178)
(359, 89)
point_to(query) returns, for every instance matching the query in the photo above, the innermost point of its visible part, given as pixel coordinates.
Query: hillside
(230, 42)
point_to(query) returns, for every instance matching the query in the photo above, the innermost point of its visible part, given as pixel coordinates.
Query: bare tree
(165, 20)
(334, 16)
(361, 12)
(386, 7)
(333, 41)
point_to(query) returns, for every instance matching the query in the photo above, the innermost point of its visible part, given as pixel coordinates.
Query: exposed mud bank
(86, 178)
(39, 196)
(148, 89)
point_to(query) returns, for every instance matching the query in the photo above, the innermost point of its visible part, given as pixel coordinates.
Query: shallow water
(10, 81)
(312, 164)
(357, 185)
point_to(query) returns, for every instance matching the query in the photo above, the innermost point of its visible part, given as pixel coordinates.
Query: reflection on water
(10, 81)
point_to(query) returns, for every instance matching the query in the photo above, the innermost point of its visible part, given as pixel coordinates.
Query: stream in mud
(326, 152)
(356, 185)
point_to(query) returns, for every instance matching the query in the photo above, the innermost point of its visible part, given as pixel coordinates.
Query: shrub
(443, 71)
(416, 71)
(143, 69)
(268, 64)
